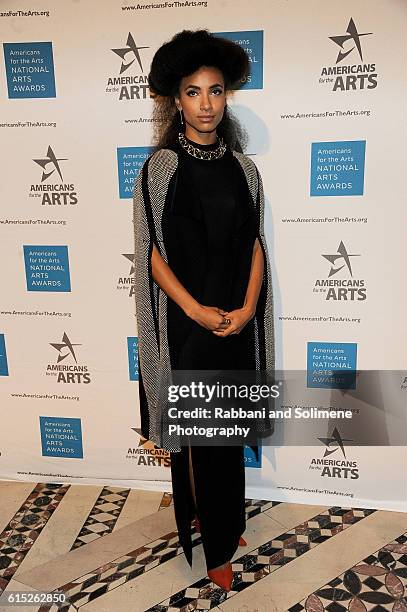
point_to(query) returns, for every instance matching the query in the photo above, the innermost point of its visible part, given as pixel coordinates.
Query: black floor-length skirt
(219, 472)
(220, 495)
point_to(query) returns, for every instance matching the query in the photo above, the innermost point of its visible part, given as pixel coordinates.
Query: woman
(203, 278)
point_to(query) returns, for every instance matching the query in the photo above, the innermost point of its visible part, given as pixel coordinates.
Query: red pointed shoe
(197, 525)
(222, 577)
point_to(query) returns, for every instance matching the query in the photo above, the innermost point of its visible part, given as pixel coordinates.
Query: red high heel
(222, 577)
(197, 525)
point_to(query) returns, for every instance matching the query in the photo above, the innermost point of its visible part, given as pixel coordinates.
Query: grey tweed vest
(151, 191)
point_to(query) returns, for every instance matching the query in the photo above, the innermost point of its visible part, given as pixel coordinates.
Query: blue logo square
(47, 268)
(3, 357)
(29, 70)
(250, 459)
(132, 350)
(130, 160)
(337, 168)
(331, 365)
(61, 437)
(252, 42)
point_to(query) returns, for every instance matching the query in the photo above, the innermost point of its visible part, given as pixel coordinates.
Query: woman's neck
(203, 138)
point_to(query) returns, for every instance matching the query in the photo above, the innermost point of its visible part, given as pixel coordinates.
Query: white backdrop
(325, 111)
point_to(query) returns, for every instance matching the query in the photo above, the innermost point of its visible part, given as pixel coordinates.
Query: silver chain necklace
(200, 153)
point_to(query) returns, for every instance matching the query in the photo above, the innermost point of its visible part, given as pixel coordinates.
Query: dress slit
(219, 494)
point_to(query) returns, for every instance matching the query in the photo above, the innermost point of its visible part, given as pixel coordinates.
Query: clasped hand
(213, 318)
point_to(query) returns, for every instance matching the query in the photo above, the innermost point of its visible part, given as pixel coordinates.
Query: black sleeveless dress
(214, 194)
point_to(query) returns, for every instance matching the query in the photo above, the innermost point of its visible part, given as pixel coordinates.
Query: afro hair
(187, 51)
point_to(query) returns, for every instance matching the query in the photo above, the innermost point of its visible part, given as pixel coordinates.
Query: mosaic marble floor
(109, 549)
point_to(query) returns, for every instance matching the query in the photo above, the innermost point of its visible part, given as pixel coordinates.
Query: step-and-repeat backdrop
(324, 107)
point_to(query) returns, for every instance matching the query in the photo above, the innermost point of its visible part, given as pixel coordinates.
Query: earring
(180, 114)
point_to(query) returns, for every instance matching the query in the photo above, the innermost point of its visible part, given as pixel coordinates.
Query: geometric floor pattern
(25, 526)
(135, 563)
(378, 582)
(259, 563)
(103, 516)
(120, 571)
(298, 557)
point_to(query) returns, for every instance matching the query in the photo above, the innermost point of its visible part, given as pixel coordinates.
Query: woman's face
(202, 98)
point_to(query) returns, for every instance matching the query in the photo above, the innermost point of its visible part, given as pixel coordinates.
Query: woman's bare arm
(207, 316)
(169, 283)
(255, 280)
(241, 316)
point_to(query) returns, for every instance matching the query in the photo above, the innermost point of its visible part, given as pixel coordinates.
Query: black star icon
(343, 254)
(131, 48)
(336, 437)
(352, 34)
(50, 159)
(66, 343)
(131, 258)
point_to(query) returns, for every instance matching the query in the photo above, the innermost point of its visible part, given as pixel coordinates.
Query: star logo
(65, 344)
(131, 49)
(147, 444)
(340, 254)
(131, 258)
(50, 159)
(352, 34)
(335, 438)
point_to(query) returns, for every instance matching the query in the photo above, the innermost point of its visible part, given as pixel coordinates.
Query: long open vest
(154, 188)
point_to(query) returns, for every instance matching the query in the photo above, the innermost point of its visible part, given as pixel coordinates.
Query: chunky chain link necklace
(200, 153)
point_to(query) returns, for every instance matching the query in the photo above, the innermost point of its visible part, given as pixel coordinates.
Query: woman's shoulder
(158, 167)
(162, 159)
(247, 163)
